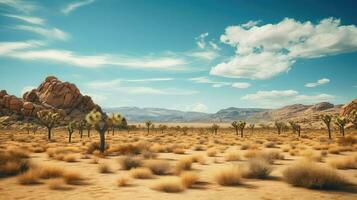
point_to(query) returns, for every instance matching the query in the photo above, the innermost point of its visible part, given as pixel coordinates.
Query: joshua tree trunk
(148, 130)
(102, 141)
(81, 133)
(88, 132)
(70, 137)
(241, 133)
(49, 132)
(329, 131)
(342, 130)
(279, 131)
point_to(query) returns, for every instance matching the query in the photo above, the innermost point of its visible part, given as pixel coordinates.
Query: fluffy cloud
(200, 40)
(28, 19)
(75, 5)
(207, 55)
(198, 107)
(318, 83)
(53, 33)
(241, 85)
(277, 98)
(265, 51)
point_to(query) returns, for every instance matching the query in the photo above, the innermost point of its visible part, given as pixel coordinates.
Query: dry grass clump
(73, 178)
(211, 152)
(312, 156)
(28, 178)
(269, 156)
(158, 167)
(70, 158)
(311, 175)
(104, 168)
(141, 173)
(257, 168)
(184, 163)
(179, 151)
(149, 155)
(349, 162)
(169, 184)
(57, 184)
(47, 172)
(232, 156)
(189, 178)
(123, 181)
(94, 146)
(199, 158)
(129, 162)
(334, 150)
(13, 162)
(229, 176)
(347, 141)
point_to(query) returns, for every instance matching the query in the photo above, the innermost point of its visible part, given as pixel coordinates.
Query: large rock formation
(348, 108)
(63, 97)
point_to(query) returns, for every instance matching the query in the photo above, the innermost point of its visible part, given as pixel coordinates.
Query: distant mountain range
(297, 112)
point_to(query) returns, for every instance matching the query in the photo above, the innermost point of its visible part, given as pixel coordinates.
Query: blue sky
(187, 55)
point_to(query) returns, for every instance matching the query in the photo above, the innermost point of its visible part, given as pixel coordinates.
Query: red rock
(348, 108)
(2, 93)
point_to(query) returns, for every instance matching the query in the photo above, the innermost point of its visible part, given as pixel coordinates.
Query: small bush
(47, 172)
(70, 158)
(169, 184)
(28, 178)
(158, 167)
(211, 152)
(232, 156)
(189, 178)
(184, 163)
(349, 162)
(311, 175)
(129, 162)
(104, 168)
(73, 178)
(257, 168)
(141, 173)
(229, 176)
(123, 181)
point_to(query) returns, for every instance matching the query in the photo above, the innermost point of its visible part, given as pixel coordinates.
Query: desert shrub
(13, 162)
(141, 173)
(123, 181)
(169, 184)
(184, 163)
(349, 162)
(94, 146)
(257, 168)
(311, 175)
(199, 158)
(57, 184)
(158, 167)
(179, 151)
(189, 178)
(232, 156)
(72, 178)
(128, 162)
(28, 178)
(347, 141)
(70, 158)
(334, 150)
(211, 152)
(47, 172)
(312, 156)
(149, 154)
(104, 168)
(229, 176)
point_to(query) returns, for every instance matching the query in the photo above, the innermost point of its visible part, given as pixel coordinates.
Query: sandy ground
(103, 186)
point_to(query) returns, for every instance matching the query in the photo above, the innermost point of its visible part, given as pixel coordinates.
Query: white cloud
(108, 85)
(277, 98)
(9, 47)
(241, 85)
(214, 45)
(97, 98)
(268, 50)
(28, 19)
(207, 55)
(49, 33)
(26, 89)
(198, 107)
(75, 5)
(200, 40)
(318, 83)
(250, 24)
(20, 5)
(150, 80)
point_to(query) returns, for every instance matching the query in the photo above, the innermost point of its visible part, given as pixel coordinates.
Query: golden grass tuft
(28, 178)
(184, 163)
(232, 156)
(229, 176)
(104, 168)
(47, 172)
(158, 167)
(123, 181)
(169, 185)
(257, 168)
(73, 178)
(189, 178)
(128, 162)
(349, 162)
(314, 176)
(212, 152)
(141, 173)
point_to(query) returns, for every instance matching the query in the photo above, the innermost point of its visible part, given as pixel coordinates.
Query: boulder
(2, 93)
(348, 108)
(31, 96)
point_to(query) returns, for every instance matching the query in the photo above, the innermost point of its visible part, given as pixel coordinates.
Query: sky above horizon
(188, 55)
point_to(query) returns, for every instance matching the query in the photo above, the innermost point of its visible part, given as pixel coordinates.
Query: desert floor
(210, 151)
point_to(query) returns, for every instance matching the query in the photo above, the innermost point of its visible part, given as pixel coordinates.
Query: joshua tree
(114, 120)
(352, 117)
(215, 128)
(49, 119)
(80, 125)
(101, 124)
(235, 126)
(341, 123)
(251, 127)
(70, 129)
(327, 121)
(162, 128)
(241, 126)
(279, 126)
(28, 127)
(34, 129)
(295, 127)
(184, 129)
(124, 123)
(89, 127)
(148, 125)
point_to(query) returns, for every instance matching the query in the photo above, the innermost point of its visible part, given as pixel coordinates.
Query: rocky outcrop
(63, 97)
(348, 108)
